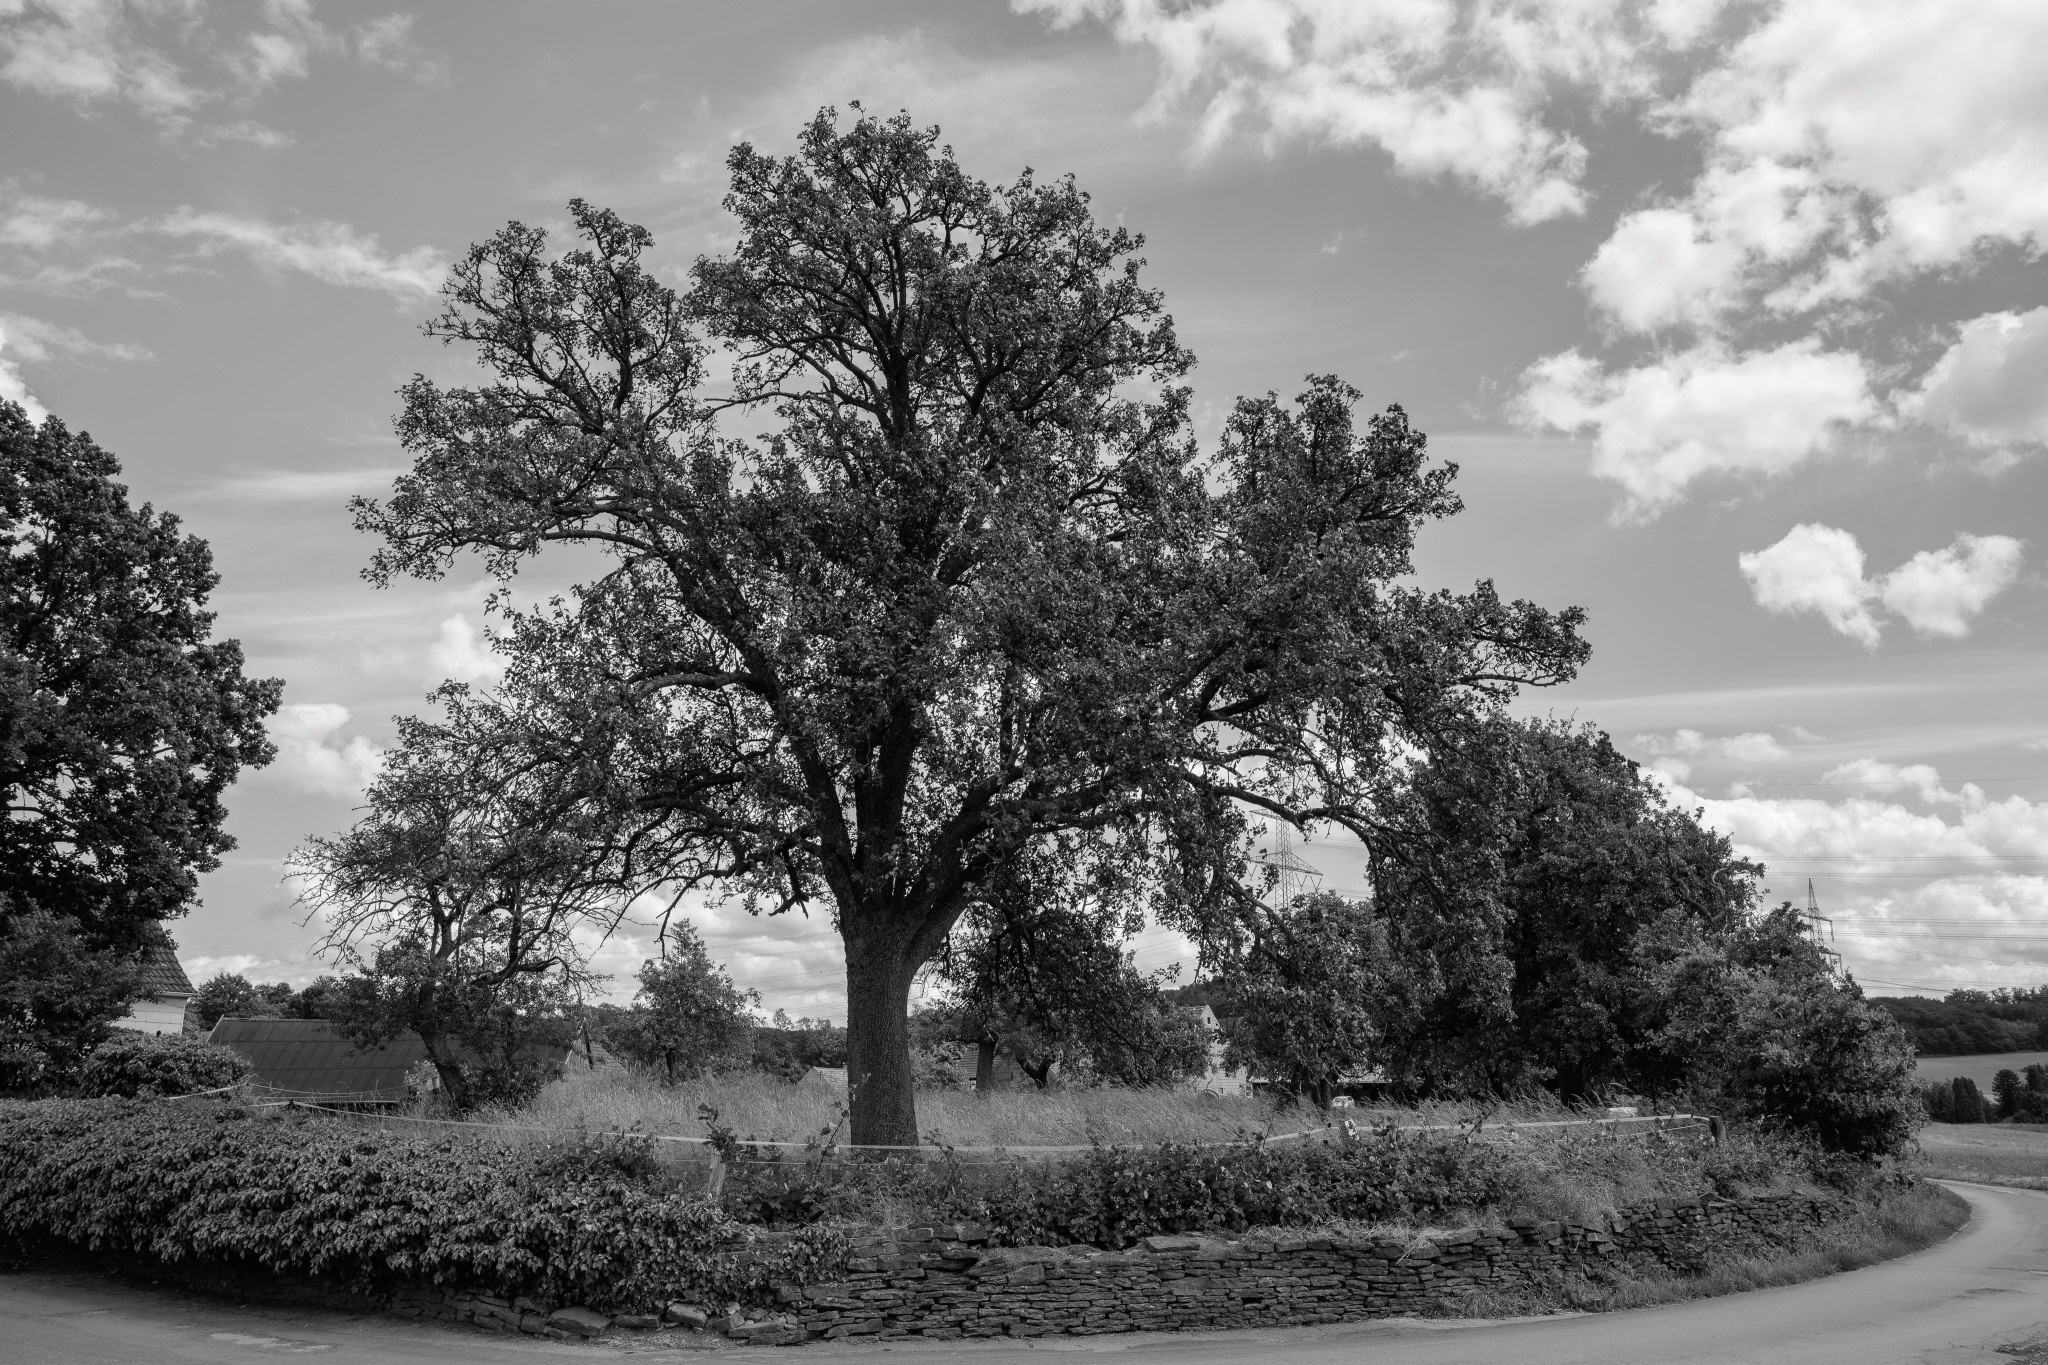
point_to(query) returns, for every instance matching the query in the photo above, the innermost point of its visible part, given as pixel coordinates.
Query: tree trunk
(880, 1090)
(985, 1066)
(454, 1084)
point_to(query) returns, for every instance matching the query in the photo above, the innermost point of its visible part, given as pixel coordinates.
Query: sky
(1732, 313)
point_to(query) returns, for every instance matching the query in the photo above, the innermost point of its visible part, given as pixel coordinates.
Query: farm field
(1979, 1067)
(1999, 1153)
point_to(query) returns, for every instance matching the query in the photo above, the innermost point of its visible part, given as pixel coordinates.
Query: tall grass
(762, 1108)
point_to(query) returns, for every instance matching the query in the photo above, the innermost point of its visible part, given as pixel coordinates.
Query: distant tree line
(1967, 1022)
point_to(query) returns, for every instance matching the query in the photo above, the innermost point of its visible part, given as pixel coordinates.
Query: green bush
(133, 1065)
(217, 1185)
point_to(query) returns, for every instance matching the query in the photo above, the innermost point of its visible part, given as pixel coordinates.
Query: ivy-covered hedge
(211, 1184)
(1112, 1196)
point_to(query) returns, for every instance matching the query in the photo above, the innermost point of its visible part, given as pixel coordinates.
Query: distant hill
(1968, 1023)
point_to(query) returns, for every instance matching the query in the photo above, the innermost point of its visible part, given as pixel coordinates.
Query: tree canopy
(976, 588)
(1526, 865)
(122, 720)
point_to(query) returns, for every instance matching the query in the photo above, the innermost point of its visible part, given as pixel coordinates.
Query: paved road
(1954, 1303)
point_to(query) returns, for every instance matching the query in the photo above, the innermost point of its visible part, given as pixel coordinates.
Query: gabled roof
(309, 1057)
(161, 974)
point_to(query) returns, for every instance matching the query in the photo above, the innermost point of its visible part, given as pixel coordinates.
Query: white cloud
(1991, 386)
(1658, 270)
(13, 386)
(1662, 426)
(462, 654)
(301, 485)
(1943, 893)
(331, 252)
(388, 43)
(1938, 591)
(313, 757)
(1443, 88)
(1820, 569)
(168, 60)
(34, 341)
(1840, 150)
(1672, 754)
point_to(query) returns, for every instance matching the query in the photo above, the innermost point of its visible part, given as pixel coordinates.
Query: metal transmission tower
(1821, 928)
(1293, 875)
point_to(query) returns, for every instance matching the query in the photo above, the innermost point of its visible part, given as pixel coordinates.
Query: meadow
(1994, 1153)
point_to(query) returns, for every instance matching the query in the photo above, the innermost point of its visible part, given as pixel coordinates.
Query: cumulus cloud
(13, 385)
(1839, 152)
(1818, 569)
(461, 653)
(312, 755)
(1660, 427)
(1937, 592)
(1991, 386)
(1444, 89)
(1917, 894)
(334, 253)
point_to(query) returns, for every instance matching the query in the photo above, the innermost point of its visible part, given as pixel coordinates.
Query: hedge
(145, 1064)
(588, 1222)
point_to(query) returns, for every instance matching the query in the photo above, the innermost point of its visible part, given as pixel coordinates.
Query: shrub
(583, 1222)
(133, 1064)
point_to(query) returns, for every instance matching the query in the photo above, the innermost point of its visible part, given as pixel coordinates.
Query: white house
(167, 991)
(1218, 1079)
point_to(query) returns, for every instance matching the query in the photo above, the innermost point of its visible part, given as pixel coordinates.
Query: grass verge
(1908, 1221)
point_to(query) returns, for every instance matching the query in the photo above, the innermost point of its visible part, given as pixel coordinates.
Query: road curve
(1957, 1302)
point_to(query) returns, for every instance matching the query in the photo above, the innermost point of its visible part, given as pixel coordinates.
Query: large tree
(976, 586)
(122, 720)
(1518, 875)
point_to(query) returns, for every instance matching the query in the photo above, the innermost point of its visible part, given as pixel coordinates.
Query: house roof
(309, 1057)
(161, 974)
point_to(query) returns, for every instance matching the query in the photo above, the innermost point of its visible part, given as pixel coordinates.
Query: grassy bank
(1906, 1220)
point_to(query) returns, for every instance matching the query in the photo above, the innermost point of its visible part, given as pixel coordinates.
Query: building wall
(163, 1015)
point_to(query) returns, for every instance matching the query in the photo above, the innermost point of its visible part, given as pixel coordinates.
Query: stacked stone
(944, 1281)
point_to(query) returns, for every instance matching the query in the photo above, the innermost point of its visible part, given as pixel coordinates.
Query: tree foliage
(1305, 1002)
(688, 1019)
(456, 898)
(122, 721)
(976, 587)
(59, 998)
(1036, 971)
(1525, 869)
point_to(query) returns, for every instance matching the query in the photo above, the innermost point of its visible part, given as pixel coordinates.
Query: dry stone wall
(945, 1282)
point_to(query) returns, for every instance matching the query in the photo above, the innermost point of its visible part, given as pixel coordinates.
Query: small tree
(688, 1017)
(2007, 1091)
(1755, 1023)
(58, 999)
(1036, 971)
(1306, 998)
(224, 995)
(456, 898)
(1966, 1102)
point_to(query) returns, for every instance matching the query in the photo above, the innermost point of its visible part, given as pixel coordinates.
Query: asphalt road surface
(1983, 1289)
